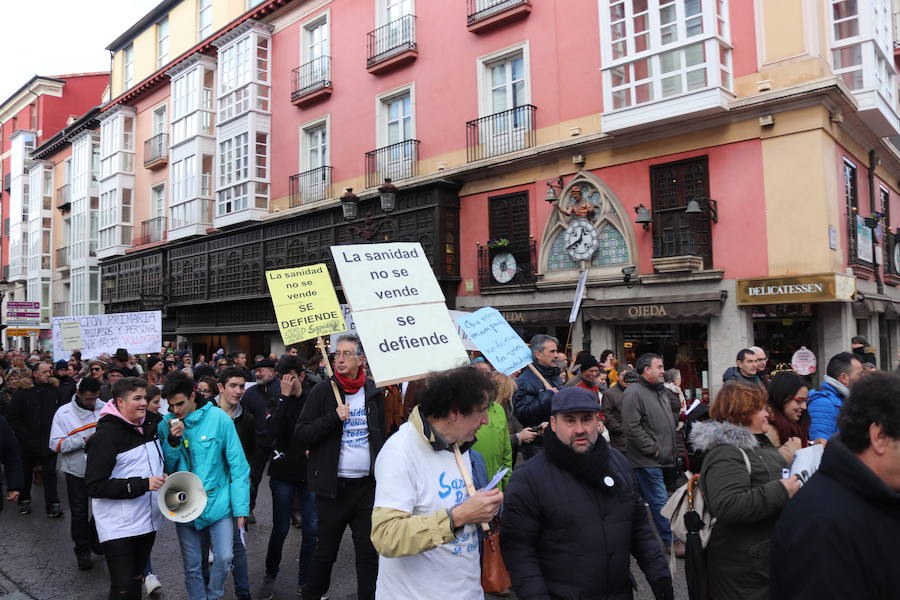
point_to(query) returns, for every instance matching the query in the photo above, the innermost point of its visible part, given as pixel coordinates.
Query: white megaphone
(182, 497)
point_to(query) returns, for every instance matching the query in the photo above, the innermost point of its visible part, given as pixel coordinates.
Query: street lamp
(350, 205)
(387, 193)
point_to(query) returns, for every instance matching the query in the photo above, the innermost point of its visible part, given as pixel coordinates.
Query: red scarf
(351, 386)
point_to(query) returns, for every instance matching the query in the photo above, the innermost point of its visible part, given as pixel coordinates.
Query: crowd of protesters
(594, 450)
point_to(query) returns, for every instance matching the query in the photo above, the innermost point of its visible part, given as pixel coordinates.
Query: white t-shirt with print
(411, 476)
(355, 461)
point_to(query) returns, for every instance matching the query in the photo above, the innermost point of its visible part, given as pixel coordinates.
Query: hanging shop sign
(830, 287)
(804, 361)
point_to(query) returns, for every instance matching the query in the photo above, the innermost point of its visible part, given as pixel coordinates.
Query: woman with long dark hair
(788, 419)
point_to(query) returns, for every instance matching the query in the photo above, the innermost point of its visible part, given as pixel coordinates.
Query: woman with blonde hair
(742, 484)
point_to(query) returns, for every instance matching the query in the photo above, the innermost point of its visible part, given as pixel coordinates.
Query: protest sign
(579, 296)
(496, 339)
(383, 275)
(70, 332)
(305, 303)
(399, 310)
(138, 332)
(468, 344)
(408, 342)
(349, 326)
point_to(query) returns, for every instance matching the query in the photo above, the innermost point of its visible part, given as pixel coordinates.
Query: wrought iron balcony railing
(156, 150)
(310, 77)
(64, 196)
(500, 133)
(482, 9)
(310, 186)
(521, 270)
(152, 230)
(62, 257)
(391, 39)
(397, 161)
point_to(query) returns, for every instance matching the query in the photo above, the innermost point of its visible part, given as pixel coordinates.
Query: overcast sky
(58, 37)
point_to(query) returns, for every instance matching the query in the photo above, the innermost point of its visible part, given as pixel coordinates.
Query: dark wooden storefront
(216, 283)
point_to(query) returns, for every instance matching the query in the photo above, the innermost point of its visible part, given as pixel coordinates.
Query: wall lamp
(350, 205)
(628, 277)
(553, 191)
(697, 203)
(643, 216)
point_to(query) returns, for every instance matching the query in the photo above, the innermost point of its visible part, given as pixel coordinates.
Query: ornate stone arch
(611, 221)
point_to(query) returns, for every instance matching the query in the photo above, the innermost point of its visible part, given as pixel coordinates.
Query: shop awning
(535, 315)
(655, 309)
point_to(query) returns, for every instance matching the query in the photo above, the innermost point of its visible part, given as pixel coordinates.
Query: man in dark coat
(531, 401)
(612, 401)
(261, 401)
(863, 351)
(838, 537)
(31, 415)
(11, 461)
(63, 373)
(573, 515)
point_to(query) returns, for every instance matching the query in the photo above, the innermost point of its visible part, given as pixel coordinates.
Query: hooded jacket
(319, 429)
(211, 449)
(72, 426)
(746, 506)
(31, 413)
(493, 443)
(564, 537)
(531, 401)
(649, 425)
(244, 425)
(823, 405)
(852, 520)
(121, 457)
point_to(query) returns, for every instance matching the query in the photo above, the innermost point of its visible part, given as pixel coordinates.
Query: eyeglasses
(96, 368)
(345, 353)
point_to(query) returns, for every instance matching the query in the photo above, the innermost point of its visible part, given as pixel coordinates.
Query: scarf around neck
(351, 386)
(592, 468)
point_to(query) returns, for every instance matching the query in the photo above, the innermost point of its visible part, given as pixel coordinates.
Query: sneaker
(84, 560)
(25, 507)
(151, 583)
(54, 511)
(267, 589)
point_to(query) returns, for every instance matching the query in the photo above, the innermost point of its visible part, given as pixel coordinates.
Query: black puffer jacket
(262, 401)
(288, 460)
(30, 414)
(564, 539)
(319, 429)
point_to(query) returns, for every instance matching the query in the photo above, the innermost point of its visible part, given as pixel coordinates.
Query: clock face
(503, 267)
(581, 239)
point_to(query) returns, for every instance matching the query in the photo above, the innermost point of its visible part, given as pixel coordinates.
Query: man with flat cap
(261, 401)
(573, 515)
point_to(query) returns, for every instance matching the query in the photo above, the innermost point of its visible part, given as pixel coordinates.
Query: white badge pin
(203, 437)
(609, 481)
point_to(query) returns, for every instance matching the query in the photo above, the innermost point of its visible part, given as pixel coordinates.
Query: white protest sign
(348, 323)
(383, 275)
(468, 344)
(408, 342)
(579, 296)
(70, 331)
(496, 339)
(137, 332)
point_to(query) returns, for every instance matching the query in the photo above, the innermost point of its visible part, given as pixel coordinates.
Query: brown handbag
(494, 575)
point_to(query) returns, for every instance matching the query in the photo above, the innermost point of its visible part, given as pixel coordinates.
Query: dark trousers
(352, 506)
(48, 469)
(126, 559)
(83, 533)
(257, 469)
(283, 495)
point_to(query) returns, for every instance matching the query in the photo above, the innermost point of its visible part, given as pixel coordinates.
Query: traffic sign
(23, 314)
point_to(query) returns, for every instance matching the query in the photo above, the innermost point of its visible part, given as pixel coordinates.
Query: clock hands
(575, 243)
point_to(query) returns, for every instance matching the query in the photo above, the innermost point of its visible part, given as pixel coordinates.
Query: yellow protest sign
(305, 303)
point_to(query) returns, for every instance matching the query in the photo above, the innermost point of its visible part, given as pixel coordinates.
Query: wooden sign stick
(539, 376)
(320, 344)
(470, 487)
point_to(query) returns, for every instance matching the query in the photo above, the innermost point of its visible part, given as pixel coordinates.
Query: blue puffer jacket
(211, 450)
(824, 404)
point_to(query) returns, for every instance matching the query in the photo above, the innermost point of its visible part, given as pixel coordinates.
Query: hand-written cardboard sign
(137, 332)
(466, 340)
(71, 335)
(399, 310)
(383, 275)
(349, 324)
(305, 303)
(499, 343)
(407, 342)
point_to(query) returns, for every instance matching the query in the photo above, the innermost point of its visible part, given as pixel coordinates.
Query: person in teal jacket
(201, 438)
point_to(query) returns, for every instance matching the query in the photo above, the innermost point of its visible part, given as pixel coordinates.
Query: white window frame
(381, 9)
(304, 130)
(158, 200)
(204, 8)
(127, 66)
(381, 112)
(162, 109)
(162, 41)
(306, 31)
(483, 74)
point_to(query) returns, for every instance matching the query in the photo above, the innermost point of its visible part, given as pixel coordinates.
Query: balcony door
(396, 161)
(315, 185)
(399, 30)
(316, 51)
(505, 128)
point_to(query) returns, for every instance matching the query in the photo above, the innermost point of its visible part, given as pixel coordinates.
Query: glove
(662, 589)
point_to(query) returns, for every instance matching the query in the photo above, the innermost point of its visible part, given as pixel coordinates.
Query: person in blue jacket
(825, 402)
(531, 402)
(201, 438)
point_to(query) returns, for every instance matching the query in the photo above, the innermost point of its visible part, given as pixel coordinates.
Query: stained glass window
(612, 250)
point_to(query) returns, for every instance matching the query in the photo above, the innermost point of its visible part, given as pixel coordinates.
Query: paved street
(36, 559)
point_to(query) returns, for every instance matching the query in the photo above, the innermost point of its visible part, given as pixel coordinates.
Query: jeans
(282, 504)
(221, 537)
(653, 489)
(48, 469)
(83, 532)
(239, 563)
(257, 469)
(125, 559)
(352, 506)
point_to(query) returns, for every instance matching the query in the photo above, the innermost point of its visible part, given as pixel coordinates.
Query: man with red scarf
(343, 441)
